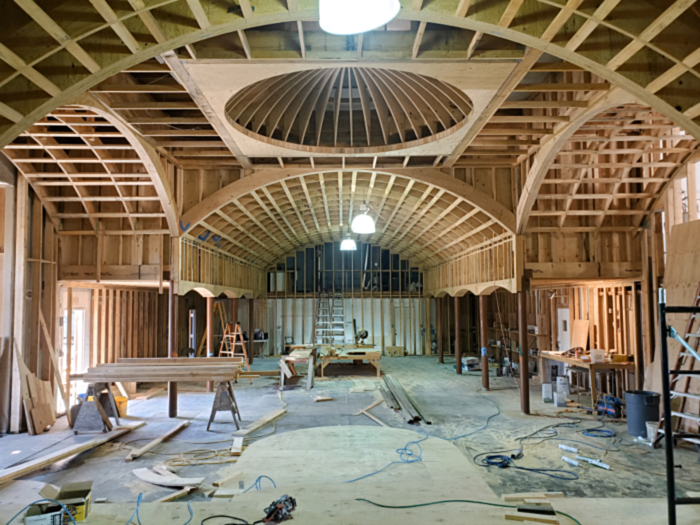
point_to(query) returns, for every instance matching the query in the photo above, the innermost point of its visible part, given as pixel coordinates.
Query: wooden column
(19, 302)
(69, 341)
(458, 338)
(234, 311)
(210, 336)
(438, 324)
(484, 340)
(251, 328)
(524, 354)
(172, 345)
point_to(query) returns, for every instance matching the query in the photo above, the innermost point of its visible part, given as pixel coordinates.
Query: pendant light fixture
(363, 223)
(348, 245)
(351, 17)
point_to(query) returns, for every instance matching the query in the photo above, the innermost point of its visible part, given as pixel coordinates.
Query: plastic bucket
(642, 406)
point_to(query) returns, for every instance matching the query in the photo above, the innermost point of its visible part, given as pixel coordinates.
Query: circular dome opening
(349, 110)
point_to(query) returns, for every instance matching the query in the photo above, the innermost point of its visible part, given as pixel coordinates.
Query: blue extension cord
(138, 518)
(258, 484)
(42, 501)
(406, 455)
(501, 460)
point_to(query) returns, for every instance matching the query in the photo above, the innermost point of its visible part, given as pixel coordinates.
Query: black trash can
(642, 406)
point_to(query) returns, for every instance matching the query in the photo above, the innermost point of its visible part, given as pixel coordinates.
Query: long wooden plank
(531, 518)
(54, 363)
(23, 469)
(269, 418)
(135, 454)
(228, 479)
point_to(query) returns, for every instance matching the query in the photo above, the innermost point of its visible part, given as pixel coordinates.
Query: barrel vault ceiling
(618, 85)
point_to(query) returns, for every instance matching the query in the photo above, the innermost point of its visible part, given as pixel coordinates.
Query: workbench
(167, 370)
(374, 358)
(593, 370)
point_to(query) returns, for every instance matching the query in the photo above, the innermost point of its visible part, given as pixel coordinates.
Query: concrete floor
(454, 404)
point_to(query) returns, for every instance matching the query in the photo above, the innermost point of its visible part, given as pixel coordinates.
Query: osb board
(681, 281)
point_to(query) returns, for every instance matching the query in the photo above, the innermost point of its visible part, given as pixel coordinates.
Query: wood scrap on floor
(37, 464)
(149, 476)
(237, 446)
(37, 399)
(363, 385)
(531, 518)
(177, 494)
(373, 418)
(321, 399)
(153, 392)
(227, 479)
(522, 496)
(412, 414)
(134, 454)
(269, 418)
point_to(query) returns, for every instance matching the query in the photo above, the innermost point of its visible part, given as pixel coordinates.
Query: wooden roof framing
(266, 223)
(89, 176)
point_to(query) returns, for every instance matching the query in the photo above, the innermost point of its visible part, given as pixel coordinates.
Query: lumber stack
(410, 411)
(38, 400)
(160, 370)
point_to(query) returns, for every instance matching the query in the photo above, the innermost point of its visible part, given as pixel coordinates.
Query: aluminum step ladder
(681, 375)
(330, 320)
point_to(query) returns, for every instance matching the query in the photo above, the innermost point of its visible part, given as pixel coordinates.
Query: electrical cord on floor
(47, 500)
(486, 424)
(474, 502)
(136, 511)
(503, 459)
(406, 455)
(258, 484)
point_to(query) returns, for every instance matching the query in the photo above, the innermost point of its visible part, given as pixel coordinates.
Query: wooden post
(524, 353)
(484, 339)
(210, 336)
(234, 311)
(438, 324)
(428, 339)
(251, 328)
(458, 338)
(69, 341)
(172, 345)
(19, 300)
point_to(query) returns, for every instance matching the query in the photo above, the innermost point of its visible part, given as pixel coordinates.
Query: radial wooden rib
(291, 109)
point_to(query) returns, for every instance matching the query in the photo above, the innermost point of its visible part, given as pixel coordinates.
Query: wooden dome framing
(420, 220)
(349, 110)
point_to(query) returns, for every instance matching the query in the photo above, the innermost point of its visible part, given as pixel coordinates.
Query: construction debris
(410, 413)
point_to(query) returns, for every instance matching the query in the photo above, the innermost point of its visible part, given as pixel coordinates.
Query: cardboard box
(76, 497)
(563, 385)
(45, 514)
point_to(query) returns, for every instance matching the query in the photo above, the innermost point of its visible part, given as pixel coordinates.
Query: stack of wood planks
(38, 400)
(156, 370)
(398, 396)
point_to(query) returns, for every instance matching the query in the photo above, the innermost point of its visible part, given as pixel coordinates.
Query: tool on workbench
(280, 510)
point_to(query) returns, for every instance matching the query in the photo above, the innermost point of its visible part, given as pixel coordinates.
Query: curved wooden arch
(88, 111)
(648, 88)
(476, 289)
(149, 156)
(435, 177)
(546, 155)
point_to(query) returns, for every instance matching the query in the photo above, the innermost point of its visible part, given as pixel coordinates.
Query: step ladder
(681, 380)
(330, 320)
(672, 386)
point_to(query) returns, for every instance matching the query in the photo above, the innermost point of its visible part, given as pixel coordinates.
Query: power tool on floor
(280, 510)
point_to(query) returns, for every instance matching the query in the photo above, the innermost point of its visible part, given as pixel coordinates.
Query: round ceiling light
(348, 245)
(351, 17)
(363, 224)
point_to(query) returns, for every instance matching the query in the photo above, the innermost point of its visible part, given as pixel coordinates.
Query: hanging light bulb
(363, 223)
(348, 245)
(351, 17)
